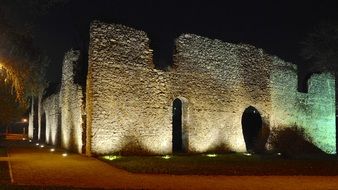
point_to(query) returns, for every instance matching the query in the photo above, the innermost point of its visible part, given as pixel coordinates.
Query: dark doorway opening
(177, 126)
(251, 127)
(43, 128)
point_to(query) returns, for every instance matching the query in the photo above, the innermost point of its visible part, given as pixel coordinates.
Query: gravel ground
(38, 166)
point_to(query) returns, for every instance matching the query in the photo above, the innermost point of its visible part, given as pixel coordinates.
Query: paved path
(38, 166)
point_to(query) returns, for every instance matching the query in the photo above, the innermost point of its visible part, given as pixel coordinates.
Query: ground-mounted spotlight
(41, 146)
(247, 154)
(211, 155)
(111, 157)
(24, 139)
(166, 157)
(30, 140)
(64, 154)
(279, 154)
(37, 144)
(52, 149)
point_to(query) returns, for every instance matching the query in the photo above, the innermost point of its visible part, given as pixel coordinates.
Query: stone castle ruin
(217, 97)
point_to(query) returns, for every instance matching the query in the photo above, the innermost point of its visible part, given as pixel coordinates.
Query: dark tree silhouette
(320, 48)
(22, 65)
(10, 110)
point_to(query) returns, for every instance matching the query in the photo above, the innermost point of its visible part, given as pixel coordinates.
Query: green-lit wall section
(313, 112)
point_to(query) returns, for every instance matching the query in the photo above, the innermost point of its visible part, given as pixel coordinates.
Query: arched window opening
(251, 127)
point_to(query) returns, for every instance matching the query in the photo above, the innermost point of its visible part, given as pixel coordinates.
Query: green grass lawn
(227, 164)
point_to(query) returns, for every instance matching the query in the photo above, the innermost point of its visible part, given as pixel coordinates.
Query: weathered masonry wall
(72, 105)
(122, 90)
(31, 120)
(314, 111)
(39, 113)
(320, 112)
(65, 110)
(53, 124)
(220, 80)
(129, 104)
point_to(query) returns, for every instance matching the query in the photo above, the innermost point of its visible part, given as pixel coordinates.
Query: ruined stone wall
(283, 95)
(129, 104)
(72, 105)
(319, 107)
(122, 90)
(313, 112)
(51, 108)
(39, 114)
(31, 121)
(220, 80)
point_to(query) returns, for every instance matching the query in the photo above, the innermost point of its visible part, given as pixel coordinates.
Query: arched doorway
(177, 126)
(251, 127)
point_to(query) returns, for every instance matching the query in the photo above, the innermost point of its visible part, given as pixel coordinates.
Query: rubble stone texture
(65, 109)
(129, 103)
(39, 113)
(71, 104)
(52, 111)
(30, 120)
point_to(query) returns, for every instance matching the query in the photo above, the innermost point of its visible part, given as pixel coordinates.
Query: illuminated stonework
(65, 109)
(30, 120)
(71, 104)
(313, 111)
(52, 110)
(129, 104)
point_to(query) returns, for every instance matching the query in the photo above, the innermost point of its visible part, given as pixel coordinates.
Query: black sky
(277, 27)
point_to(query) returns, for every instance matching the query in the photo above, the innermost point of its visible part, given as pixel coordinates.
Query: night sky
(277, 27)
